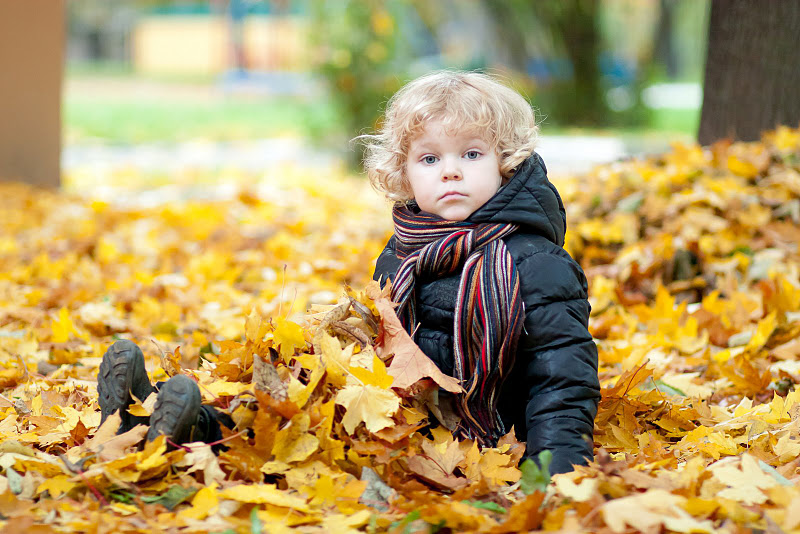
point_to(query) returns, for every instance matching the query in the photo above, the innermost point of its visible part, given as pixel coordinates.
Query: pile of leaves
(693, 265)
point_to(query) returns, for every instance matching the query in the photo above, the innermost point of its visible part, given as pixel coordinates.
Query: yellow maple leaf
(720, 443)
(70, 417)
(143, 409)
(787, 448)
(346, 523)
(223, 388)
(289, 336)
(792, 399)
(688, 383)
(337, 360)
(56, 486)
(323, 492)
(577, 492)
(62, 327)
(378, 377)
(123, 508)
(264, 494)
(444, 450)
(306, 474)
(153, 454)
(330, 447)
(787, 297)
(280, 522)
(764, 330)
(784, 138)
(202, 458)
(368, 404)
(299, 393)
(646, 511)
(498, 468)
(204, 503)
(744, 480)
(741, 167)
(293, 443)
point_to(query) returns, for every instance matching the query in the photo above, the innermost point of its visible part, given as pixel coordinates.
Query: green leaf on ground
(536, 476)
(488, 505)
(172, 497)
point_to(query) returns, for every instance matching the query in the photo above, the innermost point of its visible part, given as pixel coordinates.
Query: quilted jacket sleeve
(559, 360)
(387, 263)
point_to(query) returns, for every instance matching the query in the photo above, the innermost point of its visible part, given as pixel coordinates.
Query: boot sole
(114, 379)
(176, 410)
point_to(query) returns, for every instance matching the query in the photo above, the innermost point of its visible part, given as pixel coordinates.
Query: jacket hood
(529, 200)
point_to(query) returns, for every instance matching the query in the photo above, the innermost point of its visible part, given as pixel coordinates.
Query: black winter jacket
(552, 394)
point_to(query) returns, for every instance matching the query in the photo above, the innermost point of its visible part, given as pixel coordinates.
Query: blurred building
(190, 38)
(202, 44)
(208, 37)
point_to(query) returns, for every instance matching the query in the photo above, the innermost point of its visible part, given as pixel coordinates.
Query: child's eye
(473, 154)
(430, 160)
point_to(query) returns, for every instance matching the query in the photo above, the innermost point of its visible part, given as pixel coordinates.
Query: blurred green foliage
(169, 119)
(362, 55)
(561, 54)
(366, 50)
(137, 120)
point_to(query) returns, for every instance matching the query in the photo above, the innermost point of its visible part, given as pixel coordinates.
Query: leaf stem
(94, 490)
(188, 448)
(78, 469)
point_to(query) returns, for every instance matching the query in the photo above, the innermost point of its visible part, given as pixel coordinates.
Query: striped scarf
(488, 312)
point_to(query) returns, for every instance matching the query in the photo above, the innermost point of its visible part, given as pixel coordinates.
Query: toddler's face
(452, 175)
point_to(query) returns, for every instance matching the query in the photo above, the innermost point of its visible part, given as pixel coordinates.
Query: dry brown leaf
(266, 379)
(409, 364)
(435, 474)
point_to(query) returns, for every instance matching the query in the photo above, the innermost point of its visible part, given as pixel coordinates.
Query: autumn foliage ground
(263, 299)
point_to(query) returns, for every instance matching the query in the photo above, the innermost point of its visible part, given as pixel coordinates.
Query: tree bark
(579, 28)
(752, 78)
(574, 25)
(664, 45)
(31, 58)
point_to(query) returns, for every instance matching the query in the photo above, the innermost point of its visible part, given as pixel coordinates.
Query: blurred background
(191, 91)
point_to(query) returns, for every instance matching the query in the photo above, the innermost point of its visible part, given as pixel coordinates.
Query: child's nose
(451, 172)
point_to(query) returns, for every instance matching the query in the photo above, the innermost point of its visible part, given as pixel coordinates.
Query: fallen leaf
(435, 474)
(368, 404)
(288, 336)
(266, 378)
(201, 458)
(293, 443)
(409, 364)
(264, 494)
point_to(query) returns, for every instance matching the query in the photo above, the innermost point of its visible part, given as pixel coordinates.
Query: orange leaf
(410, 364)
(524, 516)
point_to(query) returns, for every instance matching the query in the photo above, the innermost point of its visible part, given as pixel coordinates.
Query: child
(477, 264)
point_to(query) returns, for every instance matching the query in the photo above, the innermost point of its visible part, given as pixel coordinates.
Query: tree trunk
(752, 80)
(582, 39)
(31, 57)
(664, 45)
(579, 100)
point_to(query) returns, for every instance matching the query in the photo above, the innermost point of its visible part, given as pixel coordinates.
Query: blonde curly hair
(461, 100)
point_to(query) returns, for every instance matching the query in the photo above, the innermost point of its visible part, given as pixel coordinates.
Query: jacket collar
(529, 200)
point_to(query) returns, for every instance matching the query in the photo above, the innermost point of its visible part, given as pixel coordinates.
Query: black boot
(177, 410)
(121, 373)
